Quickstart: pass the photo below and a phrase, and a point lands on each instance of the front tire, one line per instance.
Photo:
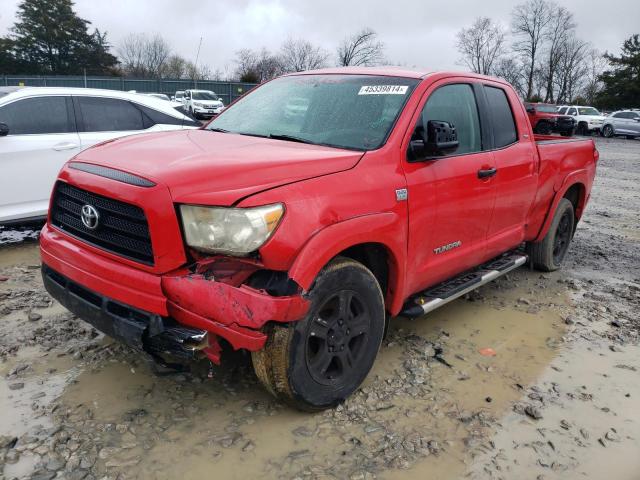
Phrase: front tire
(548, 254)
(317, 362)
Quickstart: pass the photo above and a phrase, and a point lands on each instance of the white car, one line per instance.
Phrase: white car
(42, 127)
(588, 119)
(202, 103)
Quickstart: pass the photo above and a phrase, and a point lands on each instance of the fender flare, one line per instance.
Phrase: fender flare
(578, 177)
(387, 229)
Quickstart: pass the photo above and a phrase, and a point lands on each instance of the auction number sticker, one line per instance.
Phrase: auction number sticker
(383, 90)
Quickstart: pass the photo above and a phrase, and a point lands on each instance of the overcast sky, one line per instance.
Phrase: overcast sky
(415, 33)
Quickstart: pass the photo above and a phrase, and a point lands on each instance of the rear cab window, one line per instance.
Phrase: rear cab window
(502, 119)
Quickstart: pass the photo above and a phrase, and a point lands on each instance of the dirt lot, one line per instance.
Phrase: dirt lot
(559, 399)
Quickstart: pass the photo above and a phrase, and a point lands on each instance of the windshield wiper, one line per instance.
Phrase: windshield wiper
(221, 130)
(289, 138)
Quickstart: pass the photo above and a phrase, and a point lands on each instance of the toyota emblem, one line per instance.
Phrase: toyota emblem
(89, 216)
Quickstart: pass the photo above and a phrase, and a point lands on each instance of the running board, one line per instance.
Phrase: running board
(443, 293)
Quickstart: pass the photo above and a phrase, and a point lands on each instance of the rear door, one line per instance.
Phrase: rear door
(103, 118)
(515, 160)
(42, 137)
(450, 206)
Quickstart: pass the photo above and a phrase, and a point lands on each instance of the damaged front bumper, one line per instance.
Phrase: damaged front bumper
(182, 314)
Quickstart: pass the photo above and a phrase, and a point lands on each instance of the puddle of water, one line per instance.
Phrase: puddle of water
(26, 253)
(188, 449)
(40, 388)
(524, 346)
(581, 371)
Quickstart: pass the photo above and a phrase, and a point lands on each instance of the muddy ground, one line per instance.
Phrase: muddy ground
(559, 399)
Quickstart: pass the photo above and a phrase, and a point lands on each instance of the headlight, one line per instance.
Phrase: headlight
(235, 231)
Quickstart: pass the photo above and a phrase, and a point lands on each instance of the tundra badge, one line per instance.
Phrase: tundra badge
(447, 247)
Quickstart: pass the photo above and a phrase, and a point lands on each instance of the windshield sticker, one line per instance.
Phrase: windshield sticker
(383, 90)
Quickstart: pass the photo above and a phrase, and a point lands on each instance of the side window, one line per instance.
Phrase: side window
(504, 126)
(572, 111)
(38, 115)
(109, 115)
(456, 104)
(617, 115)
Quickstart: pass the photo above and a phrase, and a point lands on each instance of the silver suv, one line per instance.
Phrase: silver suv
(623, 122)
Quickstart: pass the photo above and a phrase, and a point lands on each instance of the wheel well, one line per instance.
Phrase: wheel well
(375, 257)
(575, 195)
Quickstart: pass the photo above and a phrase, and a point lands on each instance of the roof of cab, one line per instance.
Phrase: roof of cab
(381, 71)
(417, 73)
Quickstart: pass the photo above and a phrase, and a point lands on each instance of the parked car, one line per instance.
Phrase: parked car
(202, 103)
(297, 239)
(588, 119)
(161, 96)
(623, 122)
(178, 97)
(41, 128)
(545, 119)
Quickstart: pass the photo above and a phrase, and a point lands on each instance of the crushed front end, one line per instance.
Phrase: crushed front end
(131, 275)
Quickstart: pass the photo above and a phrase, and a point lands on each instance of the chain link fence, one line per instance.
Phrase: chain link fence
(228, 91)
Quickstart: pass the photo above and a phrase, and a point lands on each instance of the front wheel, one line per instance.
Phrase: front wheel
(548, 254)
(319, 361)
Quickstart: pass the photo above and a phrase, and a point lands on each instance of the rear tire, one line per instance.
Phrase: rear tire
(317, 362)
(548, 254)
(607, 131)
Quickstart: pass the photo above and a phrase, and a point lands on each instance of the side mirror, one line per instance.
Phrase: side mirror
(4, 129)
(440, 139)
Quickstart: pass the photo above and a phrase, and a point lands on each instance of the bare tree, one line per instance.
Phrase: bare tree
(597, 64)
(361, 49)
(510, 70)
(556, 34)
(174, 67)
(481, 45)
(144, 56)
(572, 69)
(257, 66)
(300, 55)
(528, 23)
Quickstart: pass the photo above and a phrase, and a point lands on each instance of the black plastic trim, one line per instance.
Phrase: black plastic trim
(112, 173)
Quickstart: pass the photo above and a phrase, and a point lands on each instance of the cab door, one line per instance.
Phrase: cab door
(515, 157)
(450, 198)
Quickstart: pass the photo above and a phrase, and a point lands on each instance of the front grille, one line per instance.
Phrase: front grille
(122, 228)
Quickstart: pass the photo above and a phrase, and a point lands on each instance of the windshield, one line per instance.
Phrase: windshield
(204, 96)
(588, 111)
(179, 94)
(346, 111)
(546, 108)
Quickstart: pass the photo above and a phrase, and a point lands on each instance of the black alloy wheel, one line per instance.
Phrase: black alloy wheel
(563, 237)
(337, 338)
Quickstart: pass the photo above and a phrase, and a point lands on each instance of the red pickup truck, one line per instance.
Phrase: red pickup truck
(297, 233)
(545, 119)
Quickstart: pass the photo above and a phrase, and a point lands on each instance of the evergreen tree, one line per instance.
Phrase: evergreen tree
(51, 39)
(622, 82)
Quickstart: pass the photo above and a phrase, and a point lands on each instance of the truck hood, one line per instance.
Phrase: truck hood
(212, 168)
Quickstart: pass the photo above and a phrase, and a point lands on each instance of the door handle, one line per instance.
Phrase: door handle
(65, 146)
(488, 172)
